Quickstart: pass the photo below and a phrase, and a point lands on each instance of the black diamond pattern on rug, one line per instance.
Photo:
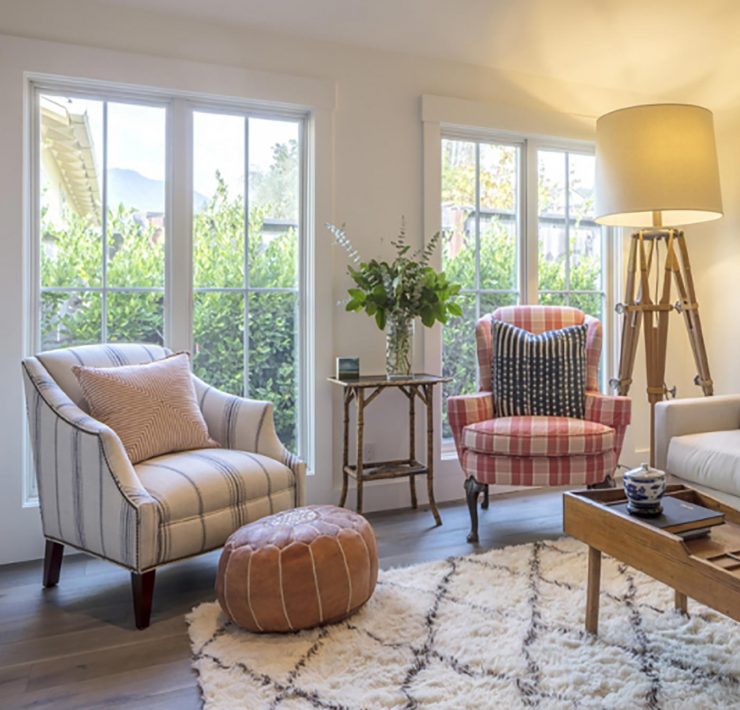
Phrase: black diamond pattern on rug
(499, 629)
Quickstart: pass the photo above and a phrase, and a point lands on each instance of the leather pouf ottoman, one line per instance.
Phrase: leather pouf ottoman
(297, 569)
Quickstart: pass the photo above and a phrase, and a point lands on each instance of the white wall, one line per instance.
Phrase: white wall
(375, 176)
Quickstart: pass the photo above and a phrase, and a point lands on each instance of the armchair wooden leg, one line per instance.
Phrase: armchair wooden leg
(52, 562)
(472, 491)
(142, 586)
(484, 504)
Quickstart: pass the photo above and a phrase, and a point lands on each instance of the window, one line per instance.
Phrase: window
(101, 221)
(498, 254)
(569, 263)
(104, 202)
(246, 259)
(481, 220)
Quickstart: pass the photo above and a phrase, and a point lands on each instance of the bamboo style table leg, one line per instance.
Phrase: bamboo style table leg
(592, 591)
(360, 444)
(429, 397)
(412, 443)
(682, 603)
(345, 453)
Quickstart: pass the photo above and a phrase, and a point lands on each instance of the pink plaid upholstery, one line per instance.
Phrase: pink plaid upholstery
(538, 470)
(465, 410)
(612, 411)
(606, 409)
(538, 436)
(536, 320)
(549, 458)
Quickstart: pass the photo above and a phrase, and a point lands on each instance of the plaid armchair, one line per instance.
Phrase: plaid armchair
(535, 450)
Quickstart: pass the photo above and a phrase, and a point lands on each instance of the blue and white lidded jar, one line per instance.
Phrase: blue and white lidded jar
(645, 487)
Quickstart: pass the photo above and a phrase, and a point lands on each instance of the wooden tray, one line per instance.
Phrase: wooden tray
(706, 569)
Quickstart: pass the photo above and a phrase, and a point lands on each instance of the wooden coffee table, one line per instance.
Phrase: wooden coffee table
(706, 569)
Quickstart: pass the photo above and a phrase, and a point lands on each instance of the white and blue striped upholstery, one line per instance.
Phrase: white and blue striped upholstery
(204, 495)
(163, 509)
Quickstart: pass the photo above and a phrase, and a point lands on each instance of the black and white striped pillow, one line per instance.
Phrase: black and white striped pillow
(542, 374)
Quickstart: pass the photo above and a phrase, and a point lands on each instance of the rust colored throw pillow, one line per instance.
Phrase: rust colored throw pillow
(152, 407)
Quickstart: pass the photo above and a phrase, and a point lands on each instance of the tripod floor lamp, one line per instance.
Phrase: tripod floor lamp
(656, 169)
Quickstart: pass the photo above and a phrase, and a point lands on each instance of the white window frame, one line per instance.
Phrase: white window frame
(229, 108)
(522, 246)
(533, 131)
(532, 147)
(178, 222)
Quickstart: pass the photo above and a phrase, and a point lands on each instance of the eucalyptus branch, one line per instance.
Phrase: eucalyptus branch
(424, 254)
(342, 239)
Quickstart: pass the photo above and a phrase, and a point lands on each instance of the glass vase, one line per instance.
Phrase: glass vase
(399, 343)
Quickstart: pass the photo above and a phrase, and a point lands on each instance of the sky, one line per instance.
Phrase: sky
(136, 141)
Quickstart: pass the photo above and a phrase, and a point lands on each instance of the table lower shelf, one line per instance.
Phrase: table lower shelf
(379, 470)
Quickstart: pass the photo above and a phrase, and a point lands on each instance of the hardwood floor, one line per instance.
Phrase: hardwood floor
(75, 645)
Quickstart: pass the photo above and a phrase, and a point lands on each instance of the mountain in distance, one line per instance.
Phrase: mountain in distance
(133, 189)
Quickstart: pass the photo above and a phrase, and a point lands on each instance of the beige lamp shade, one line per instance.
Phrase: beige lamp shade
(656, 166)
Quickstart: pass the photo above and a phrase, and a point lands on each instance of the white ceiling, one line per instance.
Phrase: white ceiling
(652, 46)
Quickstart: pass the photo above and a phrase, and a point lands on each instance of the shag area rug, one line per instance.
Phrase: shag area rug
(502, 629)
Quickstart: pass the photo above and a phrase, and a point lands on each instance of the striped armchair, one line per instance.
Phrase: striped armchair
(164, 509)
(535, 450)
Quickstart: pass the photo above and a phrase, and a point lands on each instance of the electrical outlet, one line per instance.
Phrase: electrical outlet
(368, 452)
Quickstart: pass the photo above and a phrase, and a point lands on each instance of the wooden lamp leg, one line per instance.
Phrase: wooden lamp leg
(690, 310)
(654, 317)
(630, 325)
(142, 586)
(52, 562)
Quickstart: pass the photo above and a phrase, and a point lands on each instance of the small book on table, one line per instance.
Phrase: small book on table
(680, 517)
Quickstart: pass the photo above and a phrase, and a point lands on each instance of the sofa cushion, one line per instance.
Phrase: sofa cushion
(538, 436)
(203, 496)
(710, 459)
(152, 407)
(195, 483)
(577, 470)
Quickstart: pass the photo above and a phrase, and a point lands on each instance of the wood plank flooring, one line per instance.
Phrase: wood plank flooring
(75, 646)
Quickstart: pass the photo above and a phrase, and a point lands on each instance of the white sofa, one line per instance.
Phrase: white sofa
(698, 441)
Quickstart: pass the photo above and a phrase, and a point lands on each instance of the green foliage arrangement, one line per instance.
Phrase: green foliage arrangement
(406, 288)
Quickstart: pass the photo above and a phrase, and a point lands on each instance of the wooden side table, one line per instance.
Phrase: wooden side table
(413, 386)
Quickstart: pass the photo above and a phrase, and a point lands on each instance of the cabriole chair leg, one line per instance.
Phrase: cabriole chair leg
(485, 501)
(52, 562)
(472, 491)
(142, 586)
